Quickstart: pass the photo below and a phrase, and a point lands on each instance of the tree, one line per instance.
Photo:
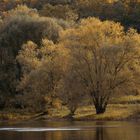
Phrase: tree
(105, 58)
(55, 2)
(124, 11)
(59, 11)
(18, 26)
(72, 91)
(43, 69)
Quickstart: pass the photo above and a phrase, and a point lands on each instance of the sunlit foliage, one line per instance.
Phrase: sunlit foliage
(105, 58)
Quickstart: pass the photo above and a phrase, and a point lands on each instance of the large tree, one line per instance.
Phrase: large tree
(43, 69)
(104, 57)
(18, 26)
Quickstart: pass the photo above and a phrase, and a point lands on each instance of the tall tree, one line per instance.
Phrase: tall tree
(43, 70)
(20, 25)
(105, 58)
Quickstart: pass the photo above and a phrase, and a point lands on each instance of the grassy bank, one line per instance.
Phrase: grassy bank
(126, 100)
(124, 108)
(113, 112)
(11, 116)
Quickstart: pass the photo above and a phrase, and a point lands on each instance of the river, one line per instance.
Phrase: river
(70, 130)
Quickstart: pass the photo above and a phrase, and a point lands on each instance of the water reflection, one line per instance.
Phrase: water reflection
(89, 131)
(99, 134)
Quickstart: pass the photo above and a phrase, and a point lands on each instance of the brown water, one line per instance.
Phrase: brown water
(64, 130)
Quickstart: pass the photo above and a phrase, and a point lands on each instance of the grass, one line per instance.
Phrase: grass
(123, 108)
(113, 112)
(13, 116)
(58, 113)
(131, 99)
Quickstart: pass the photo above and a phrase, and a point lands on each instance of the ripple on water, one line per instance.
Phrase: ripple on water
(53, 129)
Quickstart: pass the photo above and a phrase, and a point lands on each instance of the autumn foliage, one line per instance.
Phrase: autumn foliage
(66, 50)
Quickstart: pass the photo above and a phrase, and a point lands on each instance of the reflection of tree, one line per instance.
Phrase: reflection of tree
(98, 133)
(101, 133)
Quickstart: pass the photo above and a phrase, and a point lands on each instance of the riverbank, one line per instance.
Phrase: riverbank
(114, 112)
(123, 108)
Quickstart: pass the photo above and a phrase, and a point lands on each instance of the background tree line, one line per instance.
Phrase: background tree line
(124, 11)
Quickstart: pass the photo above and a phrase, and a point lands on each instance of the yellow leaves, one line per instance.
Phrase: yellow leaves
(23, 10)
(134, 37)
(92, 31)
(103, 53)
(46, 42)
(47, 50)
(29, 47)
(54, 54)
(57, 103)
(59, 11)
(46, 77)
(27, 57)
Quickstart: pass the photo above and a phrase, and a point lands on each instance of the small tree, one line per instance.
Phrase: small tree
(105, 58)
(72, 92)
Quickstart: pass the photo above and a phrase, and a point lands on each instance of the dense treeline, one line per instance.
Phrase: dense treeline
(68, 50)
(123, 11)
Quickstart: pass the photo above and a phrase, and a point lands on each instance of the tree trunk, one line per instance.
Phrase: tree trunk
(100, 110)
(100, 104)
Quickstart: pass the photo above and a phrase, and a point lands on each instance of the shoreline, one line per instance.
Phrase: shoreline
(19, 117)
(114, 112)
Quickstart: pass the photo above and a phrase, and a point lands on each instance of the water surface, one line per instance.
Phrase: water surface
(68, 130)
